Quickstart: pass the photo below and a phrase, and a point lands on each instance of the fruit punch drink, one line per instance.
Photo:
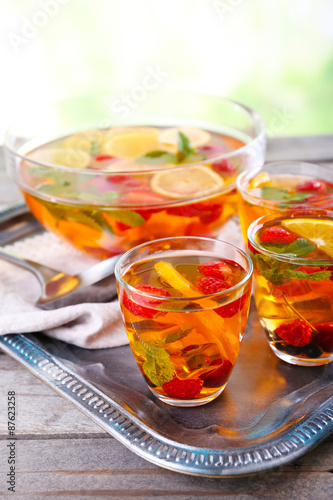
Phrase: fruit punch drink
(185, 304)
(283, 185)
(108, 188)
(292, 255)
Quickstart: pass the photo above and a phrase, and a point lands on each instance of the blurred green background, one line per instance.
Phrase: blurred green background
(275, 56)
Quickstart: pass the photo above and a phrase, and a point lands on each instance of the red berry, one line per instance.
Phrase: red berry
(234, 307)
(103, 157)
(183, 389)
(297, 332)
(205, 211)
(325, 336)
(225, 166)
(277, 235)
(312, 185)
(215, 269)
(153, 290)
(139, 310)
(218, 377)
(121, 226)
(117, 179)
(141, 197)
(211, 285)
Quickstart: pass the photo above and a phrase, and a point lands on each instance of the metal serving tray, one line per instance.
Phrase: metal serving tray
(270, 413)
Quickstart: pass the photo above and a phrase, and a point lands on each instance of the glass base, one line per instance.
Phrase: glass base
(300, 361)
(187, 403)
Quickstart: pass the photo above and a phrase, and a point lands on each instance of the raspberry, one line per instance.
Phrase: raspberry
(215, 269)
(325, 337)
(225, 166)
(297, 332)
(206, 212)
(312, 185)
(211, 285)
(153, 290)
(104, 157)
(277, 235)
(234, 307)
(183, 389)
(139, 310)
(218, 377)
(121, 226)
(140, 198)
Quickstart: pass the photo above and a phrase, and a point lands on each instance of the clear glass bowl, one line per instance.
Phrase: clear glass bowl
(105, 210)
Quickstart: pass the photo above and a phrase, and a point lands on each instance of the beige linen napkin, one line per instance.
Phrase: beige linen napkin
(89, 318)
(92, 319)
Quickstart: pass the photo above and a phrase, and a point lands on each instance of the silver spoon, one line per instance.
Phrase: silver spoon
(55, 284)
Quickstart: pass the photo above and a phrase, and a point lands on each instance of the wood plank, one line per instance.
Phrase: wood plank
(104, 468)
(40, 410)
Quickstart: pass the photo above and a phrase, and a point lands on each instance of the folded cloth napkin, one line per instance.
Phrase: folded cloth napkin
(88, 318)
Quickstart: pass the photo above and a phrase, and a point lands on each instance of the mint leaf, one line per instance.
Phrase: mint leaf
(298, 248)
(184, 144)
(45, 173)
(279, 273)
(273, 193)
(279, 194)
(157, 366)
(83, 218)
(184, 148)
(129, 217)
(94, 148)
(158, 158)
(301, 196)
(193, 157)
(110, 196)
(173, 337)
(317, 276)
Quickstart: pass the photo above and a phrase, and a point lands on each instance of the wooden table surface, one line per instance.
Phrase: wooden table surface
(61, 453)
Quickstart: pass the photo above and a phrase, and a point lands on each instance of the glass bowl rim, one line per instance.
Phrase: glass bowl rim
(232, 289)
(283, 214)
(254, 115)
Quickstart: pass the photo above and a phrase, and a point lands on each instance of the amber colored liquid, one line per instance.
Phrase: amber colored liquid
(213, 340)
(250, 209)
(308, 300)
(97, 227)
(160, 222)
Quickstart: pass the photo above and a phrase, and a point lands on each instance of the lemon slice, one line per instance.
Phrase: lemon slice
(66, 157)
(175, 279)
(319, 232)
(198, 180)
(208, 323)
(132, 142)
(260, 180)
(196, 136)
(85, 140)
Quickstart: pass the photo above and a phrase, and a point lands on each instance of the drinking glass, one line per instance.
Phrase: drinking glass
(185, 304)
(292, 253)
(282, 185)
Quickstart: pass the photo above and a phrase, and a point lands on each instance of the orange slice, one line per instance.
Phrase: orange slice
(318, 231)
(206, 321)
(260, 180)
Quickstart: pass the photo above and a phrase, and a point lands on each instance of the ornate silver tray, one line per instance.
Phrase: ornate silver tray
(270, 414)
